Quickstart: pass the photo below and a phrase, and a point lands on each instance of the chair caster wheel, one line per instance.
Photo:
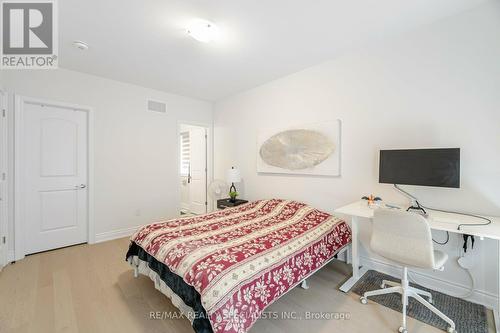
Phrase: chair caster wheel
(402, 330)
(451, 330)
(363, 300)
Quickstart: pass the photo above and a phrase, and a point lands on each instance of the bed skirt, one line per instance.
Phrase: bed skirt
(183, 296)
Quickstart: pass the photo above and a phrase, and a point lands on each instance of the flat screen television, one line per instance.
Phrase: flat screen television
(425, 167)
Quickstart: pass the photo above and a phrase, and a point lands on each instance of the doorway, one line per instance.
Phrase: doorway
(193, 169)
(52, 158)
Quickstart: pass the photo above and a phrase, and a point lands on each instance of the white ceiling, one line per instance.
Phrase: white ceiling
(144, 41)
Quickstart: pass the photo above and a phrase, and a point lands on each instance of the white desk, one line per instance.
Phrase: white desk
(437, 221)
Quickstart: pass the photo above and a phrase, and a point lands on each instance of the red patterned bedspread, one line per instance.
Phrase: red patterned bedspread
(242, 259)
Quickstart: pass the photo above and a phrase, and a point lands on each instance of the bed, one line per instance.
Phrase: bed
(223, 269)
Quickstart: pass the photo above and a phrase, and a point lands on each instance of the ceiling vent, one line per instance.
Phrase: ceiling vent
(157, 106)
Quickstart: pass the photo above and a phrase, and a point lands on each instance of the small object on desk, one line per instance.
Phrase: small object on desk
(227, 203)
(371, 199)
(392, 206)
(417, 207)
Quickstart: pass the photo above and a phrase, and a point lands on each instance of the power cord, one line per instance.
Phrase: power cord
(421, 207)
(488, 221)
(445, 242)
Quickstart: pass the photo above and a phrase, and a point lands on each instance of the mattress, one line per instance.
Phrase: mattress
(230, 265)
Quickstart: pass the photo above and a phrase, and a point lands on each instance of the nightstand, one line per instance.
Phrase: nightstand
(226, 203)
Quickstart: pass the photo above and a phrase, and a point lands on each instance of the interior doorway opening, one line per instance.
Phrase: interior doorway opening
(193, 169)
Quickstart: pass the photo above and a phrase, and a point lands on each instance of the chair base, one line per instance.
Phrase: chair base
(406, 291)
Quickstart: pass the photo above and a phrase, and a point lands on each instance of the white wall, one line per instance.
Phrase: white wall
(136, 151)
(435, 87)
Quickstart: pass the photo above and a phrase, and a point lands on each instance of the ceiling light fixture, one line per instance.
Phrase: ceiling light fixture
(203, 31)
(80, 45)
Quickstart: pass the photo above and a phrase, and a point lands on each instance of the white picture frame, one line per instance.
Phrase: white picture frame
(330, 167)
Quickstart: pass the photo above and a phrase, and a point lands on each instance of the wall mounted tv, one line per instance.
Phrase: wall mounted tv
(425, 167)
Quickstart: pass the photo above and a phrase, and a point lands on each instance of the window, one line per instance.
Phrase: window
(185, 153)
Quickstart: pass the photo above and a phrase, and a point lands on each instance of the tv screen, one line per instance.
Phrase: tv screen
(425, 167)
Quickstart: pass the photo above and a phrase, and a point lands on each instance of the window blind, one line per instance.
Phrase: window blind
(185, 153)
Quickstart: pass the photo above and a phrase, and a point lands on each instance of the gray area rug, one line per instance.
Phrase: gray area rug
(468, 317)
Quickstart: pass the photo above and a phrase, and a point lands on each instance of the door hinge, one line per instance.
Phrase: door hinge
(206, 203)
(3, 113)
(4, 240)
(3, 176)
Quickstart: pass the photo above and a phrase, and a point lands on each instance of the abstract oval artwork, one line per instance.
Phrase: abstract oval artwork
(296, 149)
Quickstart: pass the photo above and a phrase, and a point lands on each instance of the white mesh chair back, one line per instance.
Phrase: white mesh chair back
(403, 237)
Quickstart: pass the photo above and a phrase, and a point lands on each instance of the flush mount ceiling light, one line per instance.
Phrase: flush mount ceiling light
(80, 45)
(203, 31)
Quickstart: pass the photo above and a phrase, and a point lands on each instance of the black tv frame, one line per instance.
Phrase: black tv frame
(455, 151)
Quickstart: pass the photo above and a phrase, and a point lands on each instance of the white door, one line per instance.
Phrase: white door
(198, 170)
(54, 175)
(3, 180)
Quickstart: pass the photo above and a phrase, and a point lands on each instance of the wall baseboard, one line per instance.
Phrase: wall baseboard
(114, 234)
(450, 288)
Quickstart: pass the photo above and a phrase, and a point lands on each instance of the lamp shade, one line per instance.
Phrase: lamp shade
(233, 175)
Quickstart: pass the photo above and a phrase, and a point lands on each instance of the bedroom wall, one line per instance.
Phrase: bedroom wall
(434, 87)
(136, 151)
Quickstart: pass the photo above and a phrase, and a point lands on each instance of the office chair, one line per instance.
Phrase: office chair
(406, 239)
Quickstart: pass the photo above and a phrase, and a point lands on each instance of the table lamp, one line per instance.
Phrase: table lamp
(233, 176)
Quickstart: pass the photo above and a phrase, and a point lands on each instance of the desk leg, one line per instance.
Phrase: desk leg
(357, 272)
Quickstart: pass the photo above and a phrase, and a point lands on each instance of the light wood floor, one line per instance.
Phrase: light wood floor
(90, 288)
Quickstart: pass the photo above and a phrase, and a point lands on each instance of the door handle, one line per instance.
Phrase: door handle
(81, 186)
